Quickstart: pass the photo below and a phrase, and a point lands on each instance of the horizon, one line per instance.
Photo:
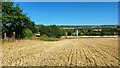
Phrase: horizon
(79, 25)
(71, 13)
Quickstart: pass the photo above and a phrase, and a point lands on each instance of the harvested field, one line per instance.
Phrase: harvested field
(67, 52)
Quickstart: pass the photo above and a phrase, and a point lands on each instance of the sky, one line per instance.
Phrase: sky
(64, 0)
(71, 13)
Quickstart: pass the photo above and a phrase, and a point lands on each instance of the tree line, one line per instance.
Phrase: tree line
(14, 20)
(93, 31)
(51, 31)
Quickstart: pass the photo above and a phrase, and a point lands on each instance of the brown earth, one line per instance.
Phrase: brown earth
(67, 52)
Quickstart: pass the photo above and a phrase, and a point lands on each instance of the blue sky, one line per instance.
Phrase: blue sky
(71, 13)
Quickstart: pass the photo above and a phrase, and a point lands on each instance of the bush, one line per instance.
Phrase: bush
(27, 33)
(46, 38)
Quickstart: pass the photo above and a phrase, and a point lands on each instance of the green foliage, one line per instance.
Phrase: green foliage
(51, 31)
(92, 30)
(27, 33)
(80, 34)
(70, 32)
(14, 20)
(46, 38)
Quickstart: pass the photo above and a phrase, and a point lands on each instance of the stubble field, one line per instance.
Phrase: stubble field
(67, 52)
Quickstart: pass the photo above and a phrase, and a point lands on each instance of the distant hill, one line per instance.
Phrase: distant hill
(87, 26)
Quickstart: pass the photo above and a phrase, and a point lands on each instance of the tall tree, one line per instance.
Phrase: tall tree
(14, 20)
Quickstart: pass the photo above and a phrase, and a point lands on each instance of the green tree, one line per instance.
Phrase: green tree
(14, 20)
(51, 31)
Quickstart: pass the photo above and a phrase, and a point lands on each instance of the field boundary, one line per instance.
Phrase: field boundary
(89, 36)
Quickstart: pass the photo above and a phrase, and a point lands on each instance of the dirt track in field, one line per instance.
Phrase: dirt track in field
(68, 52)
